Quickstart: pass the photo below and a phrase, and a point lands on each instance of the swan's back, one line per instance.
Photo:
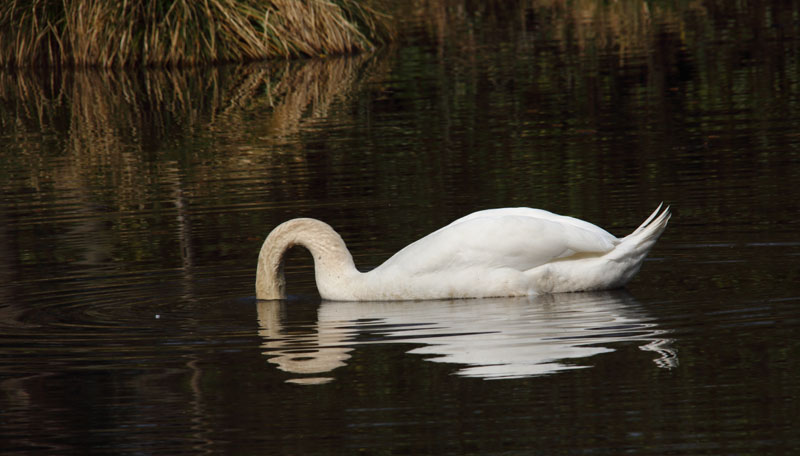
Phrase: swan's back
(539, 214)
(515, 238)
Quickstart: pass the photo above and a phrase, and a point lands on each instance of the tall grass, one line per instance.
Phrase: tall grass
(183, 32)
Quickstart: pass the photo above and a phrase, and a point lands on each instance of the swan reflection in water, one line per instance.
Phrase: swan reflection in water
(491, 338)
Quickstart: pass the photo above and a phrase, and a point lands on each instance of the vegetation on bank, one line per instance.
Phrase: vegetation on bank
(183, 32)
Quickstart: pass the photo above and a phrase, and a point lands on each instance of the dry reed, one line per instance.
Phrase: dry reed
(183, 32)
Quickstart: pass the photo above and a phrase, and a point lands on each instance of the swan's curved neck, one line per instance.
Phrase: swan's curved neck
(333, 264)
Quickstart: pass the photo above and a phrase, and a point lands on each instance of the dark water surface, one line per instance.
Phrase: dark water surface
(134, 204)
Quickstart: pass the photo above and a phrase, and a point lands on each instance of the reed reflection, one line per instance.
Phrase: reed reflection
(492, 338)
(114, 158)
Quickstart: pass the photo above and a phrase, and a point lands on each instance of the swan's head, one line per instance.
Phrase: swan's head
(270, 282)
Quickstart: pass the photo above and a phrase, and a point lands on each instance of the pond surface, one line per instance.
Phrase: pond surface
(134, 205)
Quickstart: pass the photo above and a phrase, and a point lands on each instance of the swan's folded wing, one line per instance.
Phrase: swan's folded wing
(498, 241)
(539, 214)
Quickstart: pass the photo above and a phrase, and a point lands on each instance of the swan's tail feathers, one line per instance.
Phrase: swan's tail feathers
(649, 219)
(643, 238)
(651, 229)
(633, 248)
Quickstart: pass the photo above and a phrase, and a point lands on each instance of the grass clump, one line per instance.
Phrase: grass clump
(183, 32)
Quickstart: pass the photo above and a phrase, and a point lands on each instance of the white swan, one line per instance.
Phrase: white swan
(491, 253)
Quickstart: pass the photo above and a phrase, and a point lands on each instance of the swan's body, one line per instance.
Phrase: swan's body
(491, 253)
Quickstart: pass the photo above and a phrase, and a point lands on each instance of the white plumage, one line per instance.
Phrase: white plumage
(496, 252)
